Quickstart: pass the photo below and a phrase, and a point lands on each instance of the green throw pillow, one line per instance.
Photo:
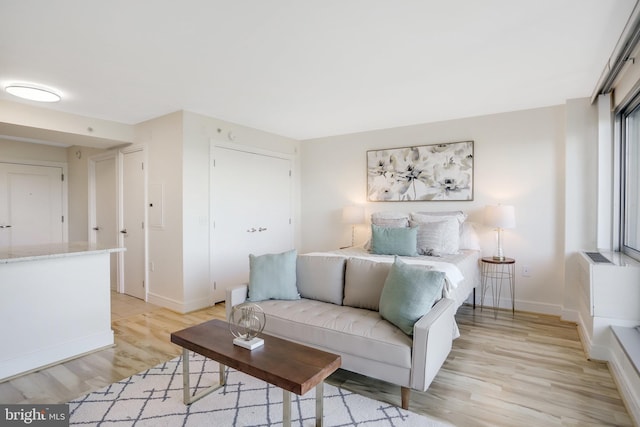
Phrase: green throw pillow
(409, 293)
(394, 241)
(273, 276)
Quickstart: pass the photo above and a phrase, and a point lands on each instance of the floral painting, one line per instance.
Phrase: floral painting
(427, 172)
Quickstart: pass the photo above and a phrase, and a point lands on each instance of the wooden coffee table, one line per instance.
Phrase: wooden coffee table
(292, 367)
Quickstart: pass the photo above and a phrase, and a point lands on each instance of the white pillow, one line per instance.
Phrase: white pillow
(451, 231)
(459, 215)
(390, 219)
(431, 237)
(468, 237)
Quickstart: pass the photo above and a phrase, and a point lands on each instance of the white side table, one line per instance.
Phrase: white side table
(495, 273)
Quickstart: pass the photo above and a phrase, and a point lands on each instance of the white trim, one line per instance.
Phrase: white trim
(92, 205)
(145, 172)
(605, 173)
(626, 378)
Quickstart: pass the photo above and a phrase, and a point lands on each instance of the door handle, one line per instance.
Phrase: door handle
(262, 229)
(251, 230)
(5, 226)
(96, 228)
(124, 231)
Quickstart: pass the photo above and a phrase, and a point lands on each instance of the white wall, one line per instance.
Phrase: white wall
(178, 156)
(162, 139)
(581, 180)
(78, 181)
(519, 160)
(18, 150)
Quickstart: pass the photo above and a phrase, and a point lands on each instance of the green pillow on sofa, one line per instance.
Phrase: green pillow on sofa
(273, 276)
(409, 292)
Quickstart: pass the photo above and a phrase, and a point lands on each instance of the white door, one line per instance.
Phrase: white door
(31, 205)
(104, 209)
(251, 205)
(133, 223)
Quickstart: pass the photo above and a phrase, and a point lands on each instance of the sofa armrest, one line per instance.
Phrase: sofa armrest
(433, 337)
(235, 296)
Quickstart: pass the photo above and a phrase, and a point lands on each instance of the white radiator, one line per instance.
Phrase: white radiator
(609, 295)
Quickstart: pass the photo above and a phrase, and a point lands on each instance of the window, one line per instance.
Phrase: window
(630, 178)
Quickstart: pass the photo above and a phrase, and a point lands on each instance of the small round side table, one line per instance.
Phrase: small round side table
(495, 272)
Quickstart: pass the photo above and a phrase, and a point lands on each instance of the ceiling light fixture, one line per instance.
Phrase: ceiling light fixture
(32, 93)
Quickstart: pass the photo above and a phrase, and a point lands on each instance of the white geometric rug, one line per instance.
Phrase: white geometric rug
(154, 398)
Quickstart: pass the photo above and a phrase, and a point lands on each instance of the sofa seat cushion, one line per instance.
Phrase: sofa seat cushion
(342, 329)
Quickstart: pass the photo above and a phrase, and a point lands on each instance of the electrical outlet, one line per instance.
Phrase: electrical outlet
(526, 271)
(152, 266)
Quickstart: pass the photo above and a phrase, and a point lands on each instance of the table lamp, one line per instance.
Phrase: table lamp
(499, 217)
(353, 215)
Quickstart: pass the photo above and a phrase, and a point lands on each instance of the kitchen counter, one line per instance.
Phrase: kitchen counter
(29, 253)
(55, 304)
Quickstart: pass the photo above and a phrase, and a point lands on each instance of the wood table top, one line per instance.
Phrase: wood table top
(285, 364)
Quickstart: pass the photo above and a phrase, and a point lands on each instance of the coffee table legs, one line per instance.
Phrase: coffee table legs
(319, 403)
(286, 406)
(286, 395)
(186, 397)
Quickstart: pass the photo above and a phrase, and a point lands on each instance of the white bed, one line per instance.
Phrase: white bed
(462, 269)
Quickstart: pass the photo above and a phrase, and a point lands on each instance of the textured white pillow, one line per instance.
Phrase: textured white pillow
(451, 231)
(390, 219)
(431, 237)
(459, 215)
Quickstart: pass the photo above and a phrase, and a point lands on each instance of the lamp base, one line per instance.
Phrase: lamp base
(250, 344)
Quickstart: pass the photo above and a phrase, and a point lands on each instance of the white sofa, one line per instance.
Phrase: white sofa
(338, 313)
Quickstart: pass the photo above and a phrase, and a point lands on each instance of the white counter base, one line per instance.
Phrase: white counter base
(53, 308)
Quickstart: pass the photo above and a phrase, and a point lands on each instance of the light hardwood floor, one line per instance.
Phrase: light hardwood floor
(529, 370)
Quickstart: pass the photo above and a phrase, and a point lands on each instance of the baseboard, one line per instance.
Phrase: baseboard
(627, 379)
(178, 306)
(538, 307)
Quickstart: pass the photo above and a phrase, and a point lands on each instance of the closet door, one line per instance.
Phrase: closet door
(251, 213)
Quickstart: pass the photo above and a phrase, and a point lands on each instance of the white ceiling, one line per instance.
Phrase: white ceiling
(308, 68)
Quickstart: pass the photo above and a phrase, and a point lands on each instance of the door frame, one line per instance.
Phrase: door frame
(121, 153)
(119, 159)
(65, 186)
(92, 204)
(217, 144)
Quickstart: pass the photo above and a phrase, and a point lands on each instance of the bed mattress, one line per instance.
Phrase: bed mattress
(462, 269)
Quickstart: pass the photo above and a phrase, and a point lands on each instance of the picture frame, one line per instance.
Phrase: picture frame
(437, 172)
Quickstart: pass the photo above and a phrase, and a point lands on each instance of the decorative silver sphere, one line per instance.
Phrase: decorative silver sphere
(247, 320)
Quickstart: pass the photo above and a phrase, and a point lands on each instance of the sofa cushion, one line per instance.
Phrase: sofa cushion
(344, 330)
(363, 282)
(409, 293)
(321, 277)
(394, 241)
(273, 276)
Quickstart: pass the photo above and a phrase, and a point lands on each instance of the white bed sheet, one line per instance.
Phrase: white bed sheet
(462, 270)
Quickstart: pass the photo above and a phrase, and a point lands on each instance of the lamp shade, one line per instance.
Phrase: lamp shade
(501, 216)
(353, 215)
